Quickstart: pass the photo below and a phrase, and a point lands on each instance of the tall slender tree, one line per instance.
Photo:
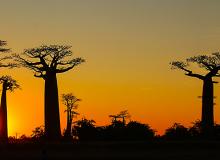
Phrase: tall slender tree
(212, 65)
(70, 101)
(7, 84)
(47, 61)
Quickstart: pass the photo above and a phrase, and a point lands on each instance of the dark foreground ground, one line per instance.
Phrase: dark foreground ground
(113, 150)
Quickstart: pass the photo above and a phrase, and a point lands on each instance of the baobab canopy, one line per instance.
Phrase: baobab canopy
(209, 63)
(53, 58)
(10, 83)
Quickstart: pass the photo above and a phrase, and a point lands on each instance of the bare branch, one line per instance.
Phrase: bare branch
(181, 65)
(204, 61)
(195, 75)
(70, 64)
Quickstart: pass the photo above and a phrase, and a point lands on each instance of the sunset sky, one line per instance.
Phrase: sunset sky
(127, 44)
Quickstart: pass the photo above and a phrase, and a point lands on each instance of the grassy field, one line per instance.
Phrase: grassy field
(113, 150)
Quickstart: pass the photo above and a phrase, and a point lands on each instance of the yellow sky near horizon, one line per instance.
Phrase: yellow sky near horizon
(127, 44)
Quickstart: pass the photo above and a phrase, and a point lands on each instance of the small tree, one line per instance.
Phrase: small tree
(114, 118)
(123, 115)
(70, 101)
(38, 133)
(212, 65)
(7, 84)
(47, 61)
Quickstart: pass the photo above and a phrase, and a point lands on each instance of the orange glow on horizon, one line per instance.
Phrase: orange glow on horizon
(127, 46)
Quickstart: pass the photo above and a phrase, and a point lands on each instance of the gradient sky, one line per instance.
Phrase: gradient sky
(128, 45)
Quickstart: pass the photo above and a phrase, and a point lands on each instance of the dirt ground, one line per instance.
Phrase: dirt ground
(113, 150)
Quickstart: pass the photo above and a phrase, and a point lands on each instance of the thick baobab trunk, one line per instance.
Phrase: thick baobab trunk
(52, 115)
(69, 125)
(3, 116)
(207, 108)
(123, 121)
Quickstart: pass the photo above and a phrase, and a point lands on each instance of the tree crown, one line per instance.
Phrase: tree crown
(70, 101)
(9, 83)
(209, 63)
(48, 59)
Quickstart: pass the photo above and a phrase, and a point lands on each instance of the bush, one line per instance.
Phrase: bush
(138, 131)
(177, 132)
(38, 134)
(85, 130)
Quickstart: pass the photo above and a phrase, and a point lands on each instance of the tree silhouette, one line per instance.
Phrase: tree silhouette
(7, 84)
(47, 61)
(114, 118)
(138, 131)
(38, 133)
(196, 129)
(5, 58)
(69, 100)
(177, 132)
(212, 65)
(122, 115)
(85, 129)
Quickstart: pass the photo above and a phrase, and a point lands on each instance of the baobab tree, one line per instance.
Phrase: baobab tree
(7, 84)
(114, 118)
(47, 61)
(122, 115)
(211, 64)
(70, 101)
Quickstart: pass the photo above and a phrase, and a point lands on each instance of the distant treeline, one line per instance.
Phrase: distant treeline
(85, 130)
